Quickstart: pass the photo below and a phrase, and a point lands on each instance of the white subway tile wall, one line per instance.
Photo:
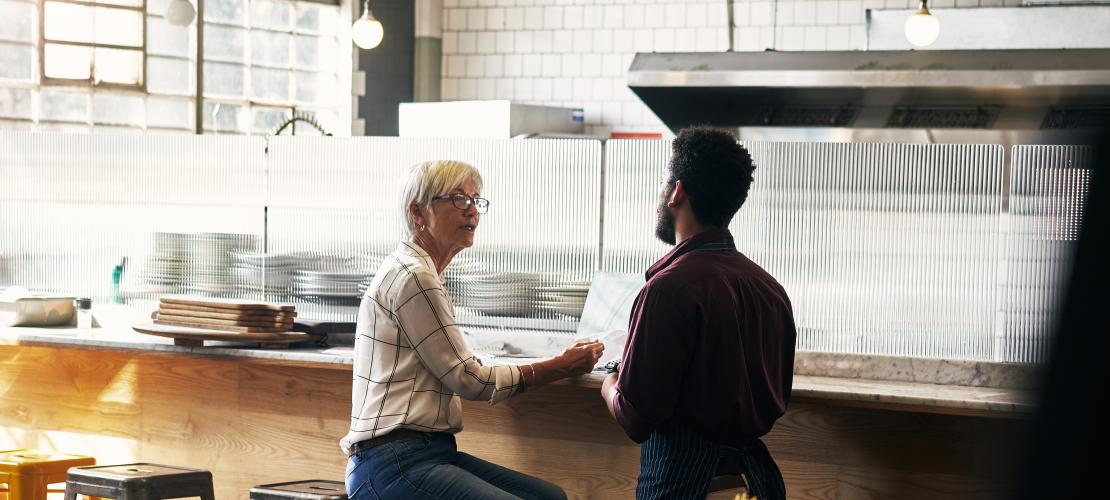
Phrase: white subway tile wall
(575, 53)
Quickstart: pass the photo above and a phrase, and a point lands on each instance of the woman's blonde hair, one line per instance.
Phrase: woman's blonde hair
(433, 178)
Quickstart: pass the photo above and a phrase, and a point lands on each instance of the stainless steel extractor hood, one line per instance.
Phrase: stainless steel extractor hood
(1030, 95)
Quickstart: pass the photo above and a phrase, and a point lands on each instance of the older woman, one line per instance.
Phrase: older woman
(412, 364)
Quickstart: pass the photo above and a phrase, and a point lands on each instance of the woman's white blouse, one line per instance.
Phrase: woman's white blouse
(411, 363)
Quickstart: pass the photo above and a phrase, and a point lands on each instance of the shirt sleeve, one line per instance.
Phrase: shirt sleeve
(654, 363)
(427, 321)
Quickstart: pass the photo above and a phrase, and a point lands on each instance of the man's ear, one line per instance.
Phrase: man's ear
(678, 195)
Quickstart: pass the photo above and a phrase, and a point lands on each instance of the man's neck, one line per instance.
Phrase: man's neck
(683, 232)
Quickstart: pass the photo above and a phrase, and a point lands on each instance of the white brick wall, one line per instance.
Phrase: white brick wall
(575, 52)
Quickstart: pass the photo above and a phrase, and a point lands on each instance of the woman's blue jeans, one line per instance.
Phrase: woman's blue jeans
(430, 467)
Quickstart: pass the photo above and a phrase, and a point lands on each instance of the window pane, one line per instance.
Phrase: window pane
(17, 62)
(308, 17)
(15, 103)
(169, 113)
(229, 11)
(271, 85)
(69, 128)
(106, 129)
(19, 21)
(314, 88)
(117, 109)
(165, 39)
(127, 3)
(169, 76)
(225, 80)
(17, 125)
(266, 120)
(68, 61)
(274, 15)
(308, 52)
(69, 22)
(219, 117)
(269, 48)
(224, 43)
(119, 27)
(159, 7)
(63, 106)
(119, 66)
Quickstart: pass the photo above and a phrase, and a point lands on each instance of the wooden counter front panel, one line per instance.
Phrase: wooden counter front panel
(257, 422)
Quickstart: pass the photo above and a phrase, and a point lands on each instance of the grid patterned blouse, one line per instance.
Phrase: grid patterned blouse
(411, 362)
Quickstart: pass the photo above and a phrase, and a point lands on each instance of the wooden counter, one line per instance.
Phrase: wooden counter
(253, 419)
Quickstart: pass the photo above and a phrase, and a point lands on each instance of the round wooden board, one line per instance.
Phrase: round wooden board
(196, 336)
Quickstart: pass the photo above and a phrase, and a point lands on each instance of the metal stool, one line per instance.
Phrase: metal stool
(28, 472)
(139, 482)
(313, 489)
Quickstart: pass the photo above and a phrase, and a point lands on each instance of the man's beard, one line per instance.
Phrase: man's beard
(664, 223)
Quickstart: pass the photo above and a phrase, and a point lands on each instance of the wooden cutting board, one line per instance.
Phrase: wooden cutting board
(236, 312)
(228, 314)
(227, 304)
(261, 323)
(195, 337)
(224, 328)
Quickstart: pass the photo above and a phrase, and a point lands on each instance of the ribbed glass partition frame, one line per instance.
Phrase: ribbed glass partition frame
(337, 201)
(73, 207)
(1048, 188)
(883, 248)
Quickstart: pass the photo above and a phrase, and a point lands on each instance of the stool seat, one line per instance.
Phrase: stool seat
(29, 472)
(140, 481)
(313, 489)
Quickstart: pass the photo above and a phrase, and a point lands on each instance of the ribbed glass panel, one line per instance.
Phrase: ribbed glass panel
(73, 207)
(883, 248)
(1048, 188)
(634, 172)
(337, 202)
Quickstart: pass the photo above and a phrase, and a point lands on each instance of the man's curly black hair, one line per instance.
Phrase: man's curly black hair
(715, 171)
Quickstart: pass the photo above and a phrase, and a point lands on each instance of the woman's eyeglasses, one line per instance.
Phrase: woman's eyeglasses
(463, 202)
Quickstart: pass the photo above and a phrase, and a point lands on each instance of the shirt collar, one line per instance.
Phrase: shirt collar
(413, 250)
(710, 239)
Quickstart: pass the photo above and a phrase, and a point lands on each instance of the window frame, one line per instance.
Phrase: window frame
(91, 81)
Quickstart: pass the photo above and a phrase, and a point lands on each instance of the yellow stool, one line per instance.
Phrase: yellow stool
(28, 472)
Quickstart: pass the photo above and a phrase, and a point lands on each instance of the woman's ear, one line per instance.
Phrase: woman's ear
(416, 213)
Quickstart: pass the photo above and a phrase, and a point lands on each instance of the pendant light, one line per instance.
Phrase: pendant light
(922, 27)
(180, 13)
(367, 32)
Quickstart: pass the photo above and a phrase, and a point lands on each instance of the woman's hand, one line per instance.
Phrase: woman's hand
(578, 359)
(581, 357)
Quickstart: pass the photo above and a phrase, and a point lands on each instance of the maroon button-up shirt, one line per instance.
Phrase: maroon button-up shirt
(710, 345)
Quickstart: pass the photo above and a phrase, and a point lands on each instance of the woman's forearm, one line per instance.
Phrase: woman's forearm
(544, 372)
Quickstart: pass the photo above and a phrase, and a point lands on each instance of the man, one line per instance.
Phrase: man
(710, 355)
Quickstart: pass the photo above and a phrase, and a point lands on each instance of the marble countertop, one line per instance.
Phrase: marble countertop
(871, 381)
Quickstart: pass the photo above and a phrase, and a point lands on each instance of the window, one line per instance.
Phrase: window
(97, 42)
(267, 59)
(118, 66)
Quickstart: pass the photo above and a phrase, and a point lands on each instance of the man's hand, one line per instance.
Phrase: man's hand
(609, 391)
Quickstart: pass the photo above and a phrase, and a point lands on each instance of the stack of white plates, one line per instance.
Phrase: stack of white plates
(563, 297)
(262, 272)
(332, 286)
(209, 261)
(165, 265)
(498, 294)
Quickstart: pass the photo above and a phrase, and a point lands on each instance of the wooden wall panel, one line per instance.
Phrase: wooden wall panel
(257, 422)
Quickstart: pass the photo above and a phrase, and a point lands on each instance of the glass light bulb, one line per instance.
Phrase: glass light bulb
(367, 32)
(922, 28)
(180, 13)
